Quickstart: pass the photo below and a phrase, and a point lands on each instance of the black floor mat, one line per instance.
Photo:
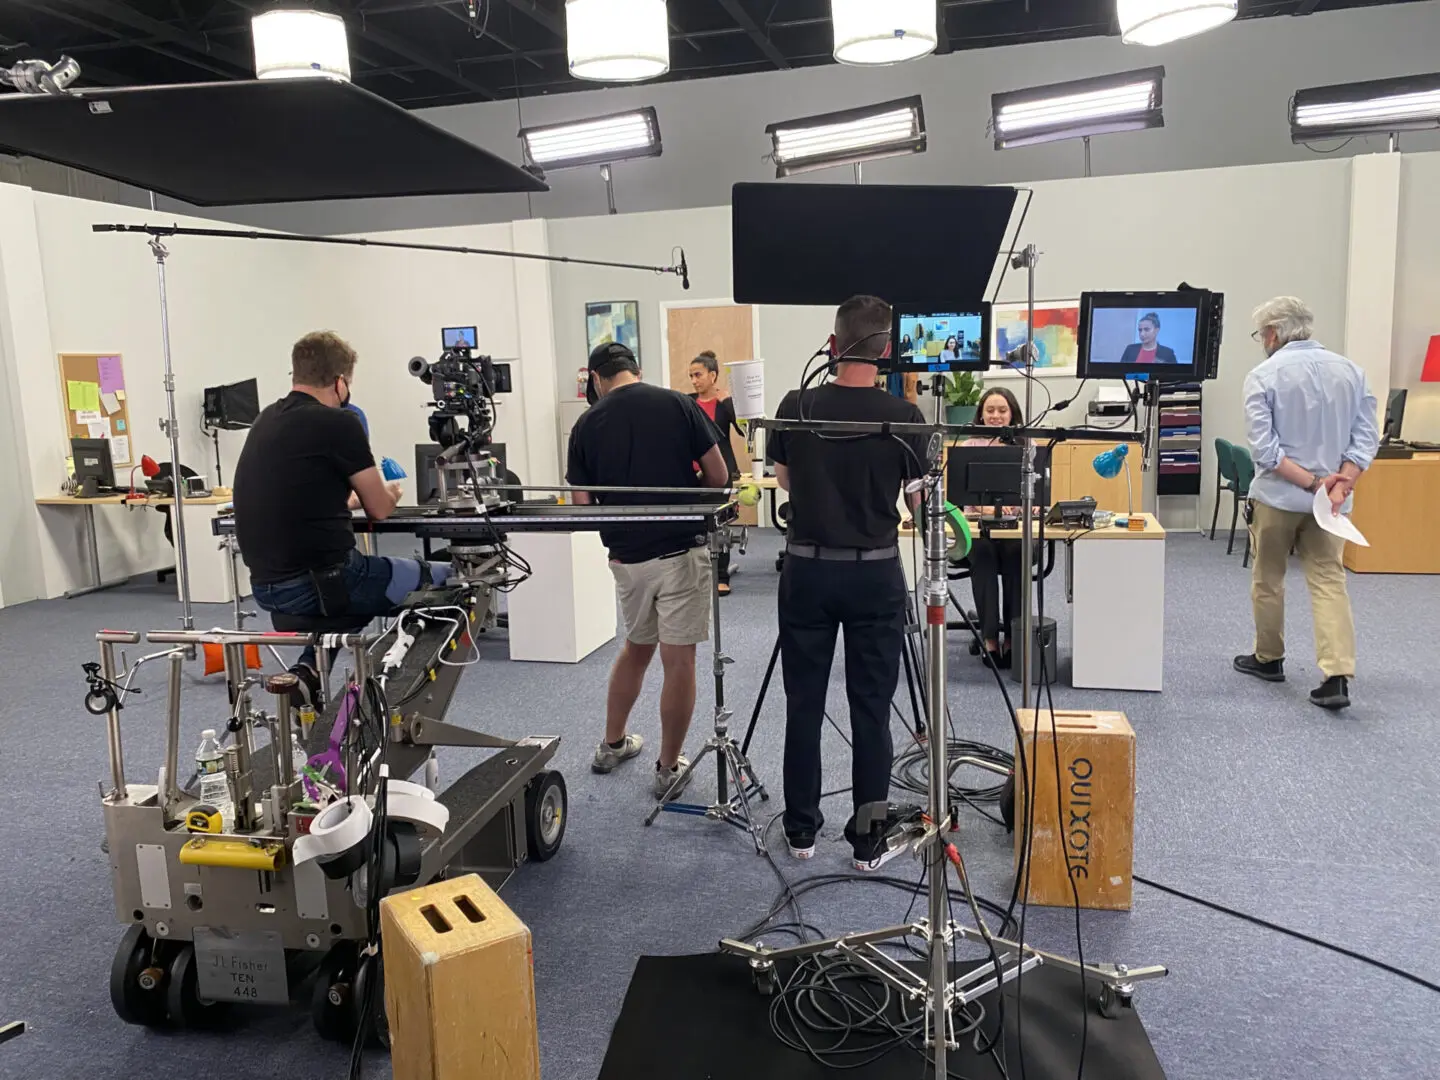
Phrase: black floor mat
(701, 1018)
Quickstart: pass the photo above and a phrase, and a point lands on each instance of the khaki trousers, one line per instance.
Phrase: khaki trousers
(1272, 534)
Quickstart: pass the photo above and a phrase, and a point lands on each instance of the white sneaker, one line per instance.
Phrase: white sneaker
(665, 779)
(608, 757)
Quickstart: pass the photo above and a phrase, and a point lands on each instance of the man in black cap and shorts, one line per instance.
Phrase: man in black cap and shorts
(637, 435)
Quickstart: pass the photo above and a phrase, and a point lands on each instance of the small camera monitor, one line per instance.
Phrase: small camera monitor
(1153, 335)
(459, 337)
(925, 340)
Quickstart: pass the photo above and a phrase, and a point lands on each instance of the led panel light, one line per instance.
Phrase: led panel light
(874, 32)
(1129, 101)
(617, 40)
(847, 138)
(1385, 106)
(1156, 22)
(300, 45)
(597, 141)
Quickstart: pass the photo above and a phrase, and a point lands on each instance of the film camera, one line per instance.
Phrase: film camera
(464, 386)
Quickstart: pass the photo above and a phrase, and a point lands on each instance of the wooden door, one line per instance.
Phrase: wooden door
(728, 332)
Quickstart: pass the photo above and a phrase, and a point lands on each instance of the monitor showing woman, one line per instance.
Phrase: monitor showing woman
(1148, 349)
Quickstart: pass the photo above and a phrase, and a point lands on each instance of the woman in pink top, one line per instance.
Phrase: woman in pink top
(996, 562)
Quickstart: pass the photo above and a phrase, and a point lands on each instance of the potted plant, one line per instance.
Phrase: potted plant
(962, 394)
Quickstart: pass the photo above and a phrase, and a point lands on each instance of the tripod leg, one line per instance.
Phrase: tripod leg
(738, 766)
(760, 701)
(684, 778)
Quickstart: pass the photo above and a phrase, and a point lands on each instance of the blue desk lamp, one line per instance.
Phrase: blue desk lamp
(1108, 465)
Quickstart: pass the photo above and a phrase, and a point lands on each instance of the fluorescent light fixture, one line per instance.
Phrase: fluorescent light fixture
(1129, 101)
(1411, 103)
(300, 45)
(848, 138)
(871, 32)
(598, 141)
(617, 40)
(1156, 22)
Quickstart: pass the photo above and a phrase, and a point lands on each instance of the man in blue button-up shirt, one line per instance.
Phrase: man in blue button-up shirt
(1310, 417)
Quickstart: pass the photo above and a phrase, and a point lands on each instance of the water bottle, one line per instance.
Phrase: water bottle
(214, 790)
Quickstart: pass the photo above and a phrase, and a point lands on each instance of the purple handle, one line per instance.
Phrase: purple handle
(331, 758)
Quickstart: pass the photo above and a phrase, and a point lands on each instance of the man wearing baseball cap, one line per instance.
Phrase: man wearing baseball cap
(637, 435)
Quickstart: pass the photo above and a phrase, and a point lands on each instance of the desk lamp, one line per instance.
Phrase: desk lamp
(151, 470)
(1108, 465)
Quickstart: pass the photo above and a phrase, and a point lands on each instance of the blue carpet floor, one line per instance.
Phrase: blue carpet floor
(1247, 795)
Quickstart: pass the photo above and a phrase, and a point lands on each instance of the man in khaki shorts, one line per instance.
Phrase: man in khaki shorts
(637, 435)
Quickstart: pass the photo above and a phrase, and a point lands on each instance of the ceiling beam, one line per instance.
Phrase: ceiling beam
(514, 52)
(746, 22)
(407, 51)
(124, 15)
(149, 46)
(550, 21)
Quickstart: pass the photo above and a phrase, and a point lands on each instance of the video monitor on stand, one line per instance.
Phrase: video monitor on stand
(926, 341)
(1150, 336)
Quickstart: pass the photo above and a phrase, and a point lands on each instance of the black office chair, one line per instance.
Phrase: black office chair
(164, 474)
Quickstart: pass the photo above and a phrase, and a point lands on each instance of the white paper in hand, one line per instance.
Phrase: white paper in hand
(1338, 524)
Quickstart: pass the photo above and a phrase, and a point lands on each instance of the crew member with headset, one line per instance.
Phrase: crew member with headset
(637, 435)
(843, 570)
(705, 378)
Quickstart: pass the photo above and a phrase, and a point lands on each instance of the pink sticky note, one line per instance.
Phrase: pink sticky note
(112, 377)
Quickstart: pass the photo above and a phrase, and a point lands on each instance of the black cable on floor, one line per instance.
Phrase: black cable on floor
(1390, 969)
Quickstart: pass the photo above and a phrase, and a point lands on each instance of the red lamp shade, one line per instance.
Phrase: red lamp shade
(1431, 370)
(148, 466)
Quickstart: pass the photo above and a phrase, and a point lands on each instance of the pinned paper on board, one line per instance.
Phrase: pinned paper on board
(85, 416)
(110, 403)
(83, 396)
(120, 426)
(112, 375)
(98, 429)
(120, 449)
(119, 395)
(1335, 523)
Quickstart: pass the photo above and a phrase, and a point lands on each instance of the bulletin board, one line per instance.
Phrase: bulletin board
(92, 390)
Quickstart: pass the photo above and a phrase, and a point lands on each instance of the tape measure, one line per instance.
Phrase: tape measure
(204, 819)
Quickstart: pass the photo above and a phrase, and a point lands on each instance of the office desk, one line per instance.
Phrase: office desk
(208, 562)
(1397, 507)
(1115, 584)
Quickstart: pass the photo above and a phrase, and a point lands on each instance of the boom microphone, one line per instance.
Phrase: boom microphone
(684, 271)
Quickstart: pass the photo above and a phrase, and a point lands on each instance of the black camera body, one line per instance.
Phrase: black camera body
(464, 388)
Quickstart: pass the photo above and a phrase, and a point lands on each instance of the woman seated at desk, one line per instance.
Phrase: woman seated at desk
(994, 563)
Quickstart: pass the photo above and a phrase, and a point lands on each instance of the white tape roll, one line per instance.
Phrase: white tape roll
(405, 787)
(335, 830)
(413, 808)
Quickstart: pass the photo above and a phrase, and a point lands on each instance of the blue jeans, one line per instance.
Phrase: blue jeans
(376, 585)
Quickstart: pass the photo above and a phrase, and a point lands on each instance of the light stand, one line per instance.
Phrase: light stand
(731, 764)
(171, 429)
(1026, 260)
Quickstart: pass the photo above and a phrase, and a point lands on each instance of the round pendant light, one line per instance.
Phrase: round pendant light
(1156, 22)
(617, 40)
(299, 45)
(872, 32)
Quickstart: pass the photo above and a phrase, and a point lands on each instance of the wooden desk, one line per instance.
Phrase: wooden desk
(1397, 507)
(1073, 476)
(209, 574)
(1115, 584)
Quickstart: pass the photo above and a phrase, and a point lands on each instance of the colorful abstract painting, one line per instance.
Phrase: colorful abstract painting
(1057, 335)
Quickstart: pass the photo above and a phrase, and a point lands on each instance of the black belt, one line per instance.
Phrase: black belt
(829, 554)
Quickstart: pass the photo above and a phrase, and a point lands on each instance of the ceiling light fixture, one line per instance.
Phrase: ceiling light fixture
(1157, 22)
(617, 40)
(300, 45)
(849, 137)
(872, 32)
(1129, 101)
(1382, 107)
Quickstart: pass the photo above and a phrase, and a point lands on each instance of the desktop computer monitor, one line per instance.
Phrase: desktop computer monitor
(988, 476)
(93, 463)
(1394, 416)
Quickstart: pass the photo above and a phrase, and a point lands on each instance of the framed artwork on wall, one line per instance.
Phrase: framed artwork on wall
(613, 320)
(1057, 337)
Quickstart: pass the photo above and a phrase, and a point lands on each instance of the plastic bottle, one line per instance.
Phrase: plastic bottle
(214, 790)
(297, 753)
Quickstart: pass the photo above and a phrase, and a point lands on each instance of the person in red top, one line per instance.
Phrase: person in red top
(1148, 350)
(705, 378)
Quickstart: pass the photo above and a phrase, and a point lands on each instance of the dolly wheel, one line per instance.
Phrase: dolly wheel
(182, 996)
(546, 805)
(137, 981)
(330, 1003)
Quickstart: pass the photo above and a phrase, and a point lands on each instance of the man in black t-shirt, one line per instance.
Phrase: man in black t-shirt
(842, 569)
(305, 466)
(642, 436)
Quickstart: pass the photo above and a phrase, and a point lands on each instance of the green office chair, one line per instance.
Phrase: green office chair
(1224, 471)
(1243, 468)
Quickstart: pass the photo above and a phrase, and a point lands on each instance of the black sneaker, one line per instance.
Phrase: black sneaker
(308, 692)
(802, 845)
(875, 850)
(1333, 693)
(1270, 670)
